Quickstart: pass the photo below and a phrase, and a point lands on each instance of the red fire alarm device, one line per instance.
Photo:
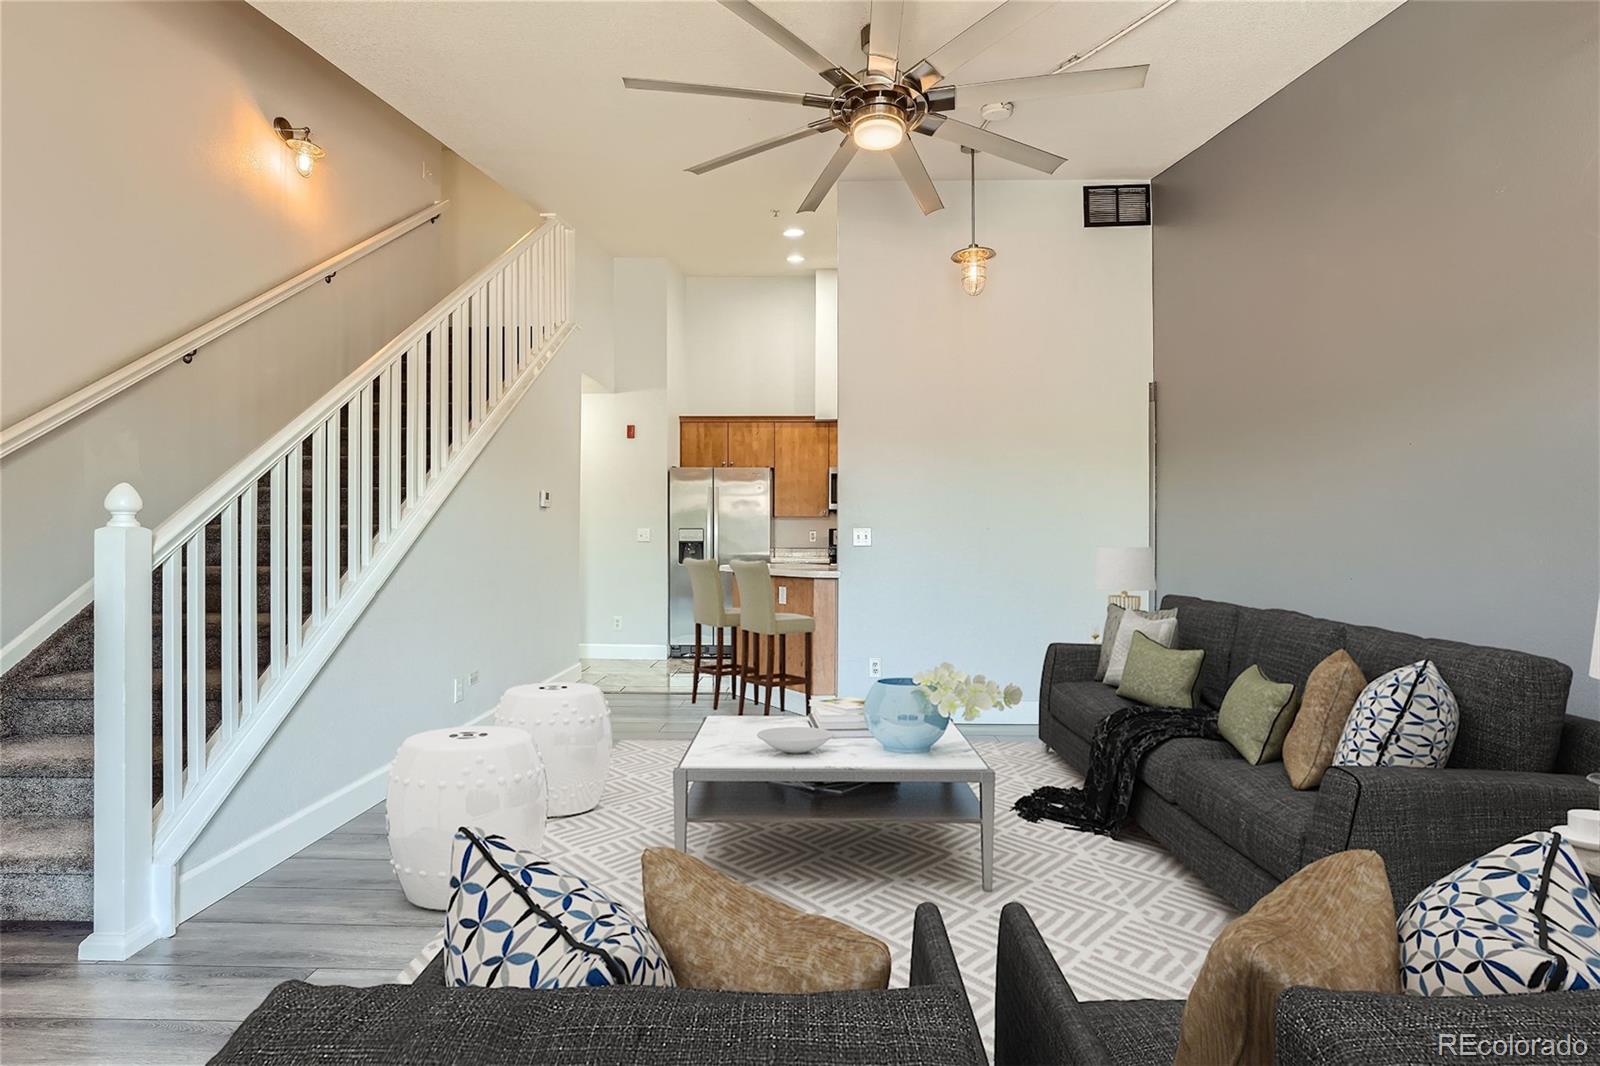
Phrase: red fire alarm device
(630, 430)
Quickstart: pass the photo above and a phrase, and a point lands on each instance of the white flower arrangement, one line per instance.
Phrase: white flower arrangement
(951, 692)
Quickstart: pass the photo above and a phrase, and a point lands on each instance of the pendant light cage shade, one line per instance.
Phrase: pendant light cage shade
(974, 260)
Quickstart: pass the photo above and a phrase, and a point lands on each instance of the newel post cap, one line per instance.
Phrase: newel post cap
(123, 503)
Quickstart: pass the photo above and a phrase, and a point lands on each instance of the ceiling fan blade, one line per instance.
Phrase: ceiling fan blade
(976, 38)
(830, 174)
(1067, 83)
(775, 31)
(942, 128)
(761, 146)
(883, 36)
(916, 177)
(768, 95)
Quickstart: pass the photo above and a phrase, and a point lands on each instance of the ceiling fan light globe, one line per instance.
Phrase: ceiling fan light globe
(878, 130)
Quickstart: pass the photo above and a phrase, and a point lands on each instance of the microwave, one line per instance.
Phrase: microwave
(833, 488)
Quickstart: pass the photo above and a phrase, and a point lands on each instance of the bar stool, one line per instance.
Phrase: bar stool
(705, 581)
(759, 618)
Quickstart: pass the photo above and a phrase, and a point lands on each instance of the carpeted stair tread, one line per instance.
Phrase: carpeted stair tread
(34, 845)
(80, 684)
(70, 755)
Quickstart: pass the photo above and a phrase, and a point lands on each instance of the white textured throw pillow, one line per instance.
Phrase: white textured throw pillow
(1520, 919)
(1160, 630)
(1407, 717)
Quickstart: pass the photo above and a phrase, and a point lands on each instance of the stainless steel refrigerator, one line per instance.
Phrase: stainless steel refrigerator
(721, 513)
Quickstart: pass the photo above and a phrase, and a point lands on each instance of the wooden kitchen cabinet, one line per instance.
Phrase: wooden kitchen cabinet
(750, 444)
(702, 443)
(800, 469)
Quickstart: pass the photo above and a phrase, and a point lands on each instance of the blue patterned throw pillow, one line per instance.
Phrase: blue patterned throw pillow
(518, 921)
(1520, 919)
(1407, 717)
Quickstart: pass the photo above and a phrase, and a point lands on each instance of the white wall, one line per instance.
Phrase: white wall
(826, 373)
(750, 346)
(489, 586)
(992, 443)
(485, 219)
(121, 235)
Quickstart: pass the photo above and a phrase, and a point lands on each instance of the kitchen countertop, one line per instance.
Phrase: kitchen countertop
(799, 570)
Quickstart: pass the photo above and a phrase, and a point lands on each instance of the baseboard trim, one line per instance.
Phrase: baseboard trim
(25, 642)
(108, 947)
(221, 874)
(622, 651)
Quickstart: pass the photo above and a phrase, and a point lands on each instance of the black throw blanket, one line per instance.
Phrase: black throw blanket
(1121, 741)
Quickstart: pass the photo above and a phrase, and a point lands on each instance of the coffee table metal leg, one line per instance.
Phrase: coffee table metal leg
(986, 827)
(680, 810)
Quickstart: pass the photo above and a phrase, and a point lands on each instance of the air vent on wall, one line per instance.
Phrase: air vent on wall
(1116, 205)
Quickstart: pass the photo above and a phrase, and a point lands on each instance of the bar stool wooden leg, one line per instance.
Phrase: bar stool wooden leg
(743, 638)
(808, 673)
(783, 670)
(716, 678)
(694, 688)
(772, 653)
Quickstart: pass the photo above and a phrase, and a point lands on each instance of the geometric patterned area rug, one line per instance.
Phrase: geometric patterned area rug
(1124, 919)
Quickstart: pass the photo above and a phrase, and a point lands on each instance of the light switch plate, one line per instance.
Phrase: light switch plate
(642, 534)
(544, 497)
(861, 536)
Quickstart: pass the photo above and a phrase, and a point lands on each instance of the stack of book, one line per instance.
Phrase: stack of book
(843, 718)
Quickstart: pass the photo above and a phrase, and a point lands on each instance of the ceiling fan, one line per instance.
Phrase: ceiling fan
(876, 107)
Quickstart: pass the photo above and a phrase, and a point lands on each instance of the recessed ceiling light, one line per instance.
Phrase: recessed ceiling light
(793, 232)
(796, 258)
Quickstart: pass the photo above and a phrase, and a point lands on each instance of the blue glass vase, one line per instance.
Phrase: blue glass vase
(900, 717)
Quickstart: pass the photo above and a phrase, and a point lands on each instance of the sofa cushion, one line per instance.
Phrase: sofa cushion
(1135, 1032)
(300, 1023)
(1207, 625)
(1511, 703)
(1287, 645)
(1079, 705)
(1253, 809)
(1330, 694)
(1331, 925)
(1160, 768)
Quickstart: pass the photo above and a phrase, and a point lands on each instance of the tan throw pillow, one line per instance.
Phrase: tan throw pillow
(721, 934)
(1331, 692)
(1331, 925)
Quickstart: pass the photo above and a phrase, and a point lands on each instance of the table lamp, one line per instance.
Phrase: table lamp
(1119, 570)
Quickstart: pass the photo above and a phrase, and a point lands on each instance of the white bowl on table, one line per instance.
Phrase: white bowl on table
(794, 739)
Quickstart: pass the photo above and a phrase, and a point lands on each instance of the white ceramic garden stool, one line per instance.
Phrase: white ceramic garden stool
(481, 776)
(571, 726)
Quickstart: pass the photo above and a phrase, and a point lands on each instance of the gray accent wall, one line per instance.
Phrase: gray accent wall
(1377, 337)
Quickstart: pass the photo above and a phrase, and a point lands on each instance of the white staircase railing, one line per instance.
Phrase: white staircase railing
(259, 577)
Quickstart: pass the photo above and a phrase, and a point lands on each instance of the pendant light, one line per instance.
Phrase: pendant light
(974, 258)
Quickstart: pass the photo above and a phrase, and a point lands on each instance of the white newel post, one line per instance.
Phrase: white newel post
(123, 824)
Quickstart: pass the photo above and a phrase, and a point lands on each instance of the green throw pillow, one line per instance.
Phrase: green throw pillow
(1256, 715)
(1158, 676)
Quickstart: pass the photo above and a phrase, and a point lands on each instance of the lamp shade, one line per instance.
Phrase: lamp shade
(1125, 569)
(1594, 658)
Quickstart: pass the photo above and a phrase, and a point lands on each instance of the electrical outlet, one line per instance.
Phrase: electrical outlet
(472, 679)
(616, 621)
(874, 667)
(861, 536)
(458, 691)
(813, 536)
(642, 534)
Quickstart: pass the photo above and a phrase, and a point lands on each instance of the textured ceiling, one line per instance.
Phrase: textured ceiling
(531, 93)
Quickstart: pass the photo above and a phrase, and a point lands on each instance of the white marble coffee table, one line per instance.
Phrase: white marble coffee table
(730, 775)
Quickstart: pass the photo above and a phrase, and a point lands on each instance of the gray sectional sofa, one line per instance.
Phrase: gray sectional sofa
(1518, 764)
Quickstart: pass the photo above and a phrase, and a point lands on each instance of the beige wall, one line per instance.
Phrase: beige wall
(152, 194)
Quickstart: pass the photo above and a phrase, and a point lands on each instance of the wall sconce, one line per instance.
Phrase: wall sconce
(298, 138)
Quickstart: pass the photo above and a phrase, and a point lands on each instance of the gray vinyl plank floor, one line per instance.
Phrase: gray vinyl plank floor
(332, 914)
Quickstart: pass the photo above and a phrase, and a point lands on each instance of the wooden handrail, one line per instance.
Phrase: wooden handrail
(22, 433)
